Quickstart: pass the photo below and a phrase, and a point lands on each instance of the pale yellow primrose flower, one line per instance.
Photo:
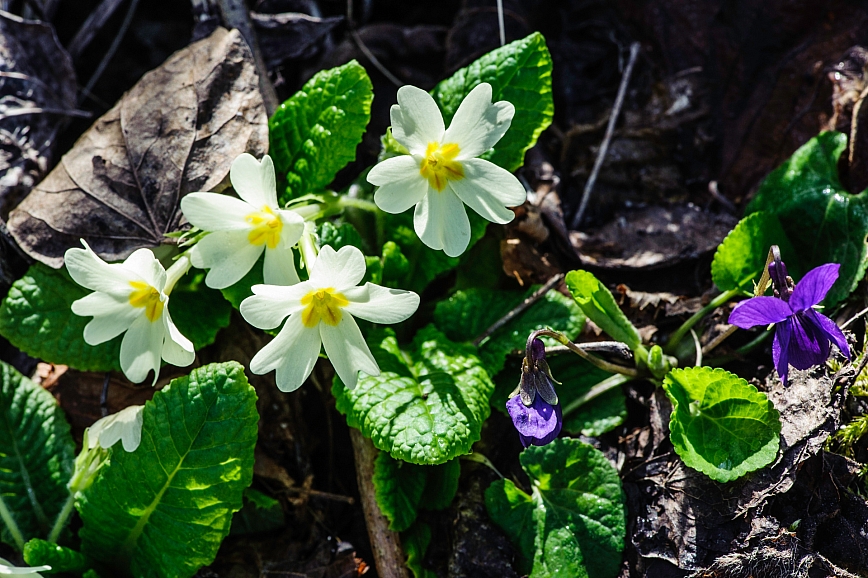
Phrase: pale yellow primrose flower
(441, 173)
(131, 297)
(124, 426)
(321, 312)
(241, 229)
(8, 569)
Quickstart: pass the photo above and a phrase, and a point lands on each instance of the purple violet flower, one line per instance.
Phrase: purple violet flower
(534, 407)
(802, 335)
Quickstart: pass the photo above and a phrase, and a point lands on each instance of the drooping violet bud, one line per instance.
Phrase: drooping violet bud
(534, 407)
(538, 424)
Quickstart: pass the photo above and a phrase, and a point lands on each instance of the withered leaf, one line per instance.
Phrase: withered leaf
(176, 131)
(37, 88)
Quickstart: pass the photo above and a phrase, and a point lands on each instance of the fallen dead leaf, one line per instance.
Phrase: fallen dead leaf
(37, 88)
(176, 131)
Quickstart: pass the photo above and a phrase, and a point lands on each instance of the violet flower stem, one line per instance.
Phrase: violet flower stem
(579, 350)
(676, 337)
(608, 384)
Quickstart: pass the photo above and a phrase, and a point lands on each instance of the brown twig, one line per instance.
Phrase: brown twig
(520, 308)
(604, 147)
(386, 544)
(92, 26)
(235, 15)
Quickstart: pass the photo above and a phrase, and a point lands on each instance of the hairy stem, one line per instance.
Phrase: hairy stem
(675, 339)
(62, 517)
(579, 349)
(608, 384)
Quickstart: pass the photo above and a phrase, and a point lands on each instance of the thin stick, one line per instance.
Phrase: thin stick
(385, 544)
(92, 26)
(128, 19)
(696, 347)
(235, 15)
(854, 318)
(579, 349)
(608, 384)
(604, 148)
(323, 495)
(500, 22)
(519, 309)
(374, 60)
(859, 370)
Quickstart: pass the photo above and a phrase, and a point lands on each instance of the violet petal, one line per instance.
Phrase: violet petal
(538, 424)
(759, 311)
(832, 331)
(809, 345)
(780, 347)
(813, 287)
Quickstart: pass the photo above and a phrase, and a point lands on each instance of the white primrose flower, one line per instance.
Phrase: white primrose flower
(442, 174)
(124, 426)
(9, 569)
(321, 311)
(241, 229)
(131, 297)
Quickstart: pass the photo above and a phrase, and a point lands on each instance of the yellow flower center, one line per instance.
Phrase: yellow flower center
(146, 296)
(266, 228)
(322, 305)
(440, 165)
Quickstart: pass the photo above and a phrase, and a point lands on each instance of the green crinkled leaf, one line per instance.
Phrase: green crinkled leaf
(466, 314)
(441, 485)
(577, 376)
(427, 405)
(36, 317)
(41, 552)
(314, 133)
(599, 305)
(519, 72)
(36, 456)
(512, 510)
(577, 510)
(338, 236)
(163, 510)
(398, 488)
(824, 222)
(721, 425)
(740, 259)
(415, 542)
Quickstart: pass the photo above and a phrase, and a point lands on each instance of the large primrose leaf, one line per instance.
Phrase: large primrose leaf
(577, 510)
(314, 134)
(427, 405)
(402, 489)
(740, 259)
(36, 457)
(824, 222)
(721, 425)
(466, 314)
(599, 305)
(519, 72)
(163, 510)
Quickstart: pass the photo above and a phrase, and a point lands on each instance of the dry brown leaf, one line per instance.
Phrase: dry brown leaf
(176, 131)
(37, 88)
